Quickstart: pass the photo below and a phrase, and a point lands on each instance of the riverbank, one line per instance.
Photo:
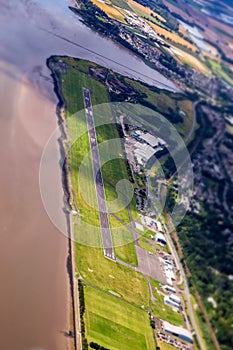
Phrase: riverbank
(74, 332)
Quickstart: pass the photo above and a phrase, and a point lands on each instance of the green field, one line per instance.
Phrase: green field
(115, 324)
(165, 346)
(123, 242)
(163, 311)
(168, 103)
(109, 275)
(218, 69)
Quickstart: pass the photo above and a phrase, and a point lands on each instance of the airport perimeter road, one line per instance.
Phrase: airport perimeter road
(99, 185)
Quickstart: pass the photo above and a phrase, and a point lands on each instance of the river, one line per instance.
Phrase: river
(34, 283)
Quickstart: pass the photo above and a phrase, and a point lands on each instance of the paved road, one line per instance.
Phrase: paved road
(101, 200)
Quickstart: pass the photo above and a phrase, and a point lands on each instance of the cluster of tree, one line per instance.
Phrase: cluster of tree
(170, 63)
(204, 239)
(97, 346)
(152, 323)
(82, 311)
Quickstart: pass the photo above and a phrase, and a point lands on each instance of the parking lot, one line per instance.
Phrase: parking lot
(150, 265)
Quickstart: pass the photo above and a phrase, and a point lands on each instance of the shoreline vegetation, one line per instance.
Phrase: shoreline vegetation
(67, 188)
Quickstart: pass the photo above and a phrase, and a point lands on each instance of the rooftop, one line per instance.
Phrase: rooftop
(177, 330)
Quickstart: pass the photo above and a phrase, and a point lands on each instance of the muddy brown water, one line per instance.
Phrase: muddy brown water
(33, 278)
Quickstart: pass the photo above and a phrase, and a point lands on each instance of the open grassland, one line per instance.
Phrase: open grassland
(114, 170)
(111, 11)
(115, 324)
(175, 38)
(168, 104)
(144, 11)
(146, 246)
(163, 311)
(123, 242)
(111, 276)
(164, 346)
(80, 164)
(218, 70)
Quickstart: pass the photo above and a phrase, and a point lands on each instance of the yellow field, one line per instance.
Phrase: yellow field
(112, 12)
(184, 57)
(172, 36)
(145, 10)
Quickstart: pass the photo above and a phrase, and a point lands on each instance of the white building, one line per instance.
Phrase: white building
(170, 302)
(143, 152)
(179, 332)
(169, 289)
(175, 298)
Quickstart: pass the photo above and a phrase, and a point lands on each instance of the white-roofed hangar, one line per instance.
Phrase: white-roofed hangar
(178, 332)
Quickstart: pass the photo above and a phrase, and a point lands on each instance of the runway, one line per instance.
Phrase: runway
(101, 200)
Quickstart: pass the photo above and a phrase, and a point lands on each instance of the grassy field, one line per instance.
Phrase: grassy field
(116, 325)
(146, 246)
(123, 242)
(114, 165)
(108, 275)
(81, 166)
(218, 69)
(163, 311)
(164, 346)
(167, 103)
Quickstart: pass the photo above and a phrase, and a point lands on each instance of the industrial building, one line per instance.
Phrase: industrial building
(169, 289)
(170, 302)
(143, 152)
(170, 274)
(178, 332)
(160, 238)
(159, 226)
(175, 298)
(150, 139)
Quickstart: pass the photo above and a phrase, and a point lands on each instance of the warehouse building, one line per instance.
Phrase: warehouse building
(178, 332)
(152, 140)
(143, 152)
(170, 302)
(175, 298)
(169, 289)
(160, 238)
